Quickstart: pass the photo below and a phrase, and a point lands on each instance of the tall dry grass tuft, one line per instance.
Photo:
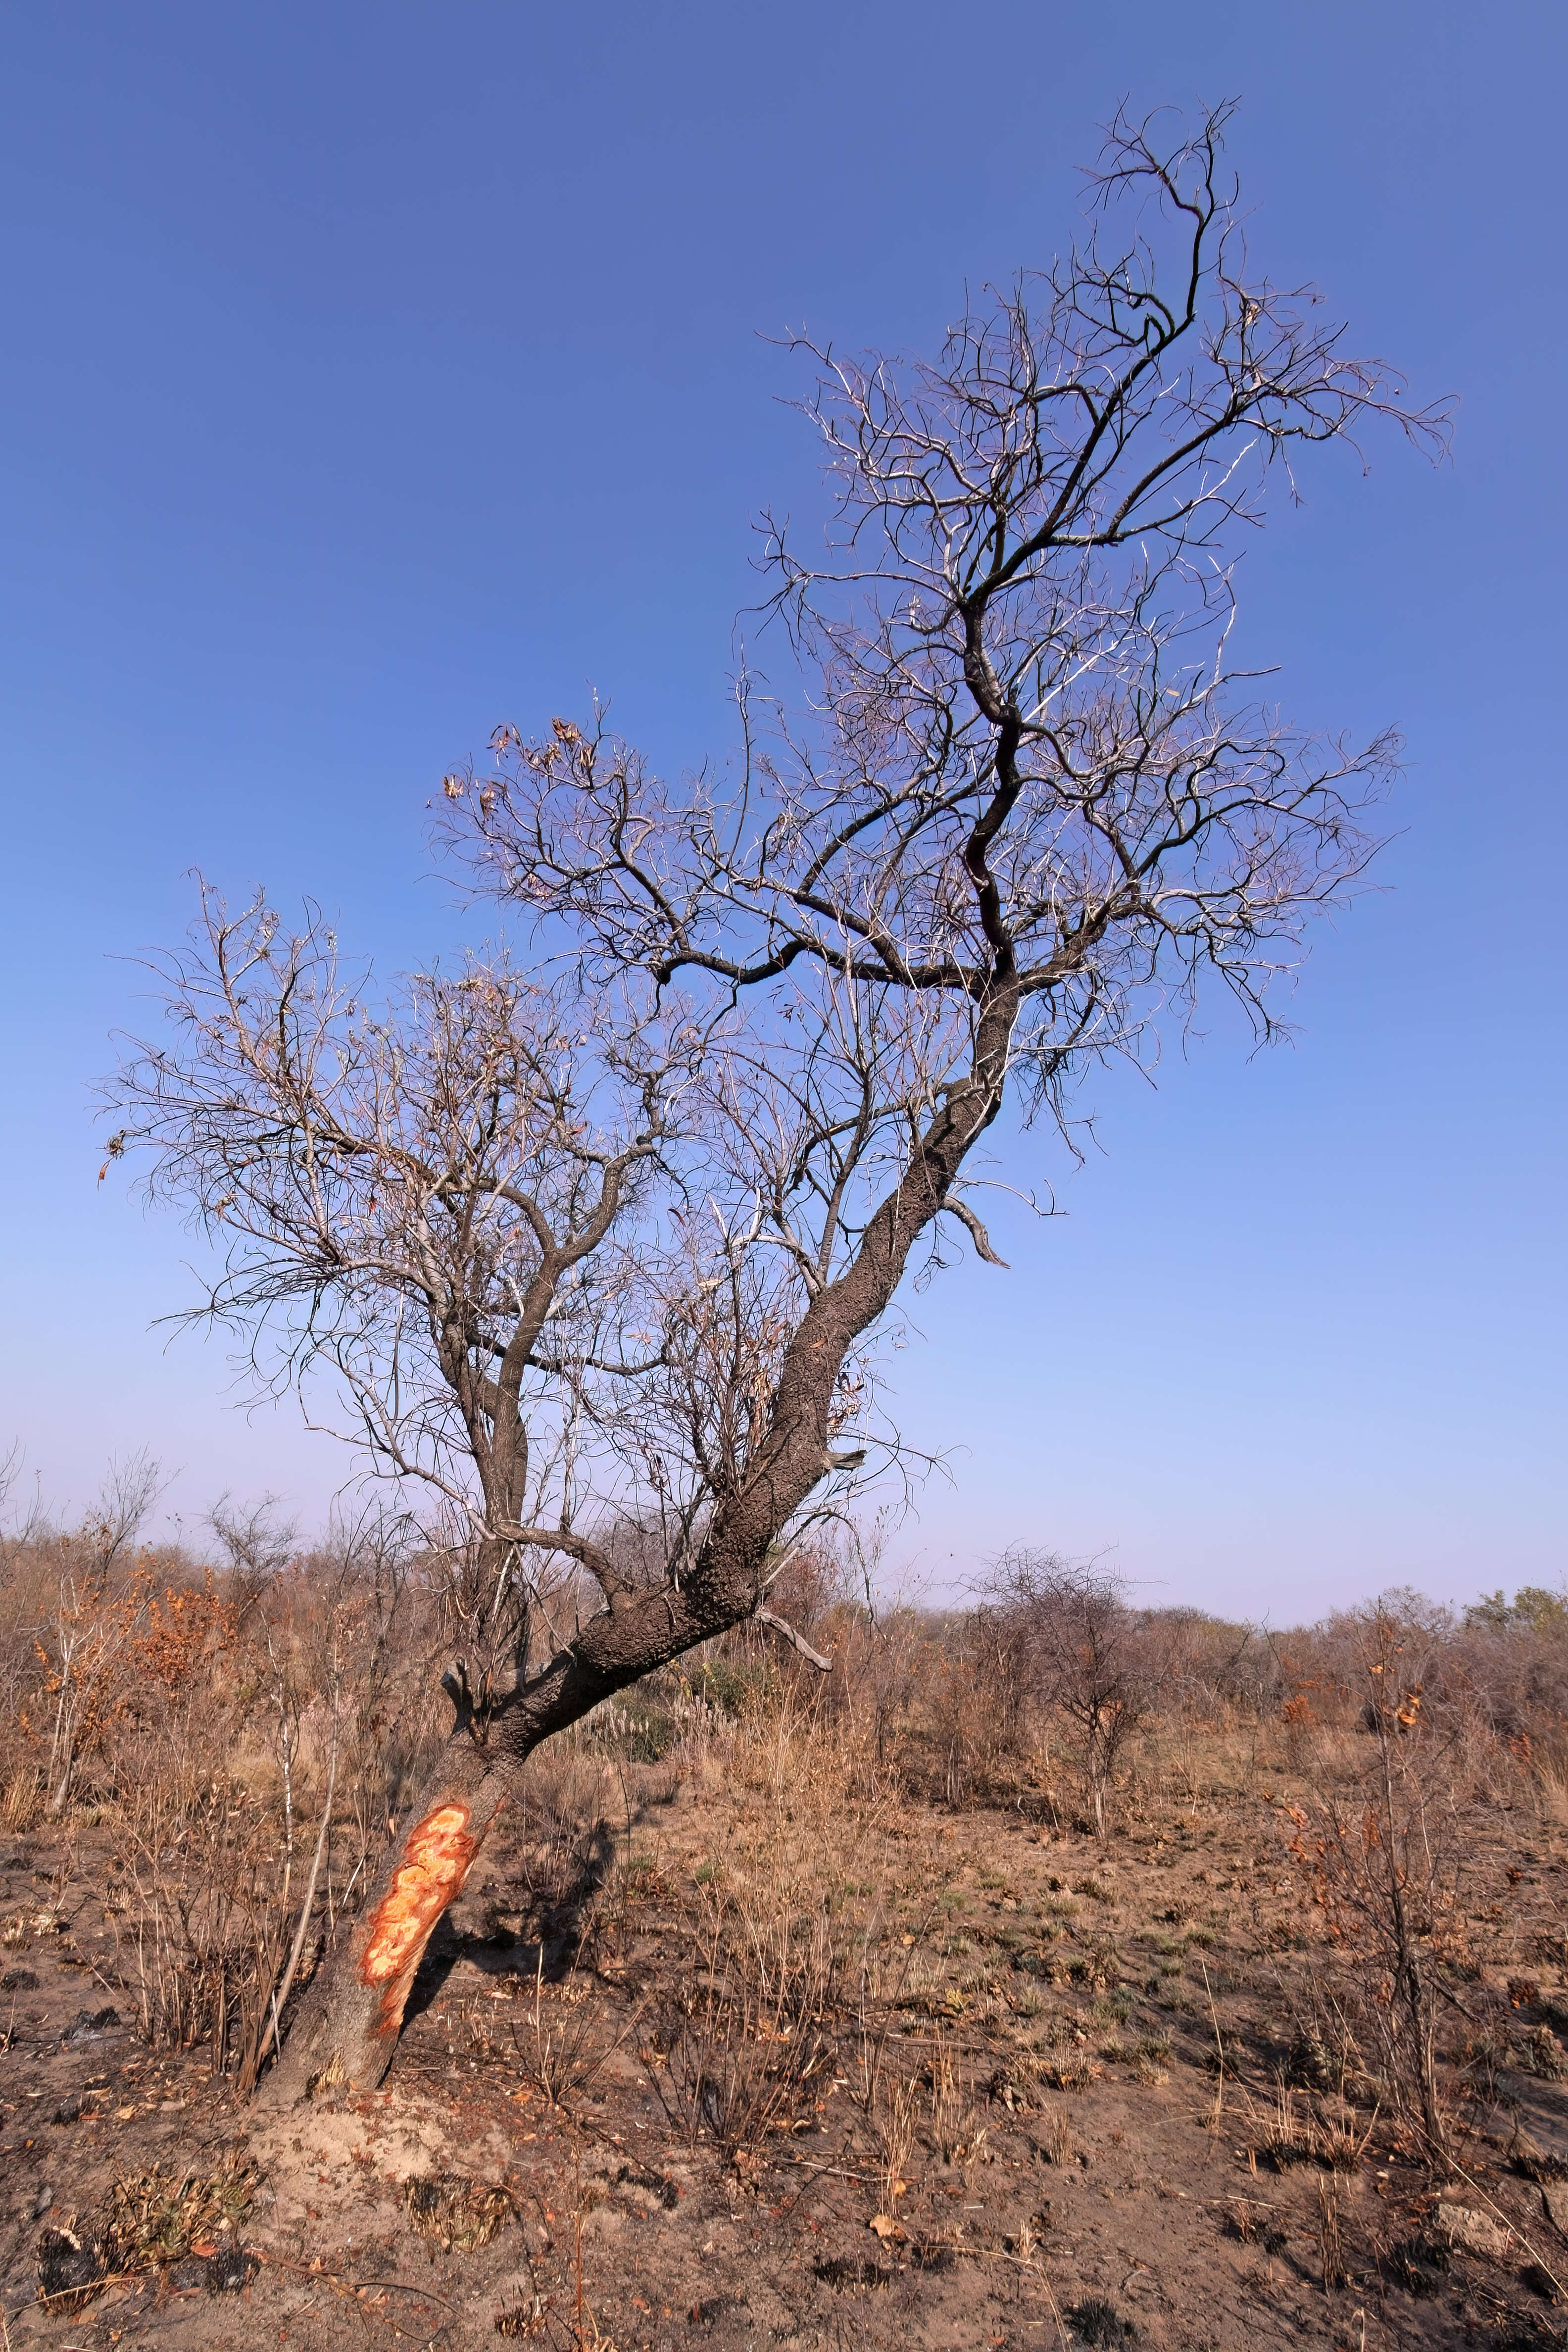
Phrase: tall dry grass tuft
(782, 1963)
(21, 1800)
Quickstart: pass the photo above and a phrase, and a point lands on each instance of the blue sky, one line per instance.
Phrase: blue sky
(373, 375)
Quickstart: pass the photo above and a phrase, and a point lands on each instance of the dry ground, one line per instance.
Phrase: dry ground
(739, 2060)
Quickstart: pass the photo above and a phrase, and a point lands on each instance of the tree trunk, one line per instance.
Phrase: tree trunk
(348, 2026)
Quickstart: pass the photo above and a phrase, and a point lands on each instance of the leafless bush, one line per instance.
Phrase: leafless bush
(1382, 1845)
(197, 1920)
(563, 2043)
(200, 1671)
(1069, 1639)
(752, 2032)
(202, 1715)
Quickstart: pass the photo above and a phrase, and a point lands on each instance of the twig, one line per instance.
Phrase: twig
(403, 2286)
(281, 1993)
(834, 2172)
(577, 2219)
(1021, 2263)
(341, 2286)
(796, 1641)
(1512, 2226)
(284, 1990)
(1219, 2047)
(1055, 2310)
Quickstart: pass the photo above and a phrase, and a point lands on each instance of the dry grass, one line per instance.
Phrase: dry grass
(458, 2215)
(152, 2221)
(831, 1964)
(771, 1981)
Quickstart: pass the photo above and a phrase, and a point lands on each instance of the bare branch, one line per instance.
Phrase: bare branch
(977, 1233)
(797, 1642)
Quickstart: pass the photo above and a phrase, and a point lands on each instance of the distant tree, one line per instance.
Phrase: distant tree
(257, 1541)
(1533, 1608)
(89, 1634)
(1542, 1611)
(1076, 1645)
(1022, 809)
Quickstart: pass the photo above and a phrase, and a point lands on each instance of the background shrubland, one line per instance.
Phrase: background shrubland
(1042, 1890)
(225, 1736)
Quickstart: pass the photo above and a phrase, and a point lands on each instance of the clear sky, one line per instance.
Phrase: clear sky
(374, 374)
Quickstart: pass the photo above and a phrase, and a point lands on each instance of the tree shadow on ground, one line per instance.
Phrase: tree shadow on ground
(545, 1946)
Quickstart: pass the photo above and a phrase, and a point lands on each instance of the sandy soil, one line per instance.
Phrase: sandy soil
(1021, 2133)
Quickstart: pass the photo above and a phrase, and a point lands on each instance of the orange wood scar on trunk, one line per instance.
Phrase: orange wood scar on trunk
(435, 1864)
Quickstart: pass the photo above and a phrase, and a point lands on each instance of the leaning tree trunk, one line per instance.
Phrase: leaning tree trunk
(348, 2026)
(349, 2022)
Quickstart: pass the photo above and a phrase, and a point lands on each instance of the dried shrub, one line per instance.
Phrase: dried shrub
(155, 2218)
(1381, 1847)
(458, 2215)
(153, 2221)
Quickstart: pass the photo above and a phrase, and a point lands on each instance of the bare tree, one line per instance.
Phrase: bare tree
(11, 1462)
(257, 1540)
(458, 1204)
(1028, 808)
(96, 1614)
(414, 1196)
(1075, 1646)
